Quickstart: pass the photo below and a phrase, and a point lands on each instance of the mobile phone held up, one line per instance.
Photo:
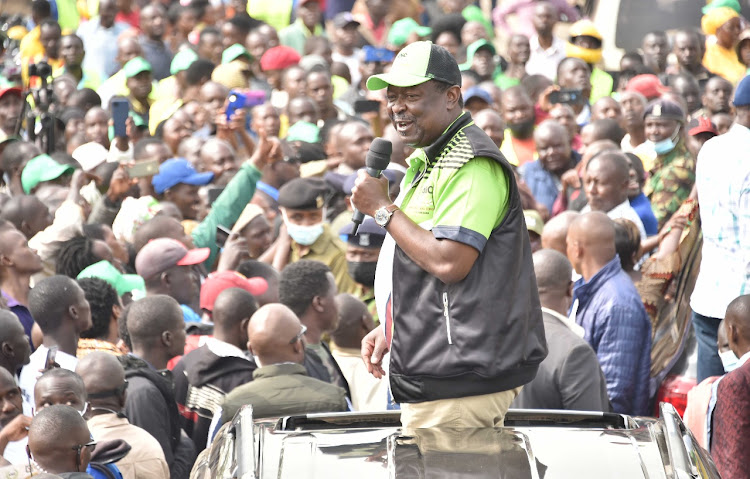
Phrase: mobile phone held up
(570, 97)
(222, 235)
(50, 361)
(244, 99)
(143, 169)
(120, 111)
(366, 106)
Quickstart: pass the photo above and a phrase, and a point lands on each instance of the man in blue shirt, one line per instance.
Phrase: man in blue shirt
(607, 305)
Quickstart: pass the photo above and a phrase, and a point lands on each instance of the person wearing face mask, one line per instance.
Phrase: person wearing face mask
(362, 251)
(729, 429)
(305, 235)
(673, 172)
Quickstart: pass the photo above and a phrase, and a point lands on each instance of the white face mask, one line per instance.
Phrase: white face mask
(729, 360)
(303, 235)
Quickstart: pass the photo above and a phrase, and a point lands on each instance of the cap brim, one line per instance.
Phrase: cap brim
(257, 286)
(698, 130)
(54, 172)
(195, 256)
(129, 283)
(423, 31)
(198, 179)
(378, 82)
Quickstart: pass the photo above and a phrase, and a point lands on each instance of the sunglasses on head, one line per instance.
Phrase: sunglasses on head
(299, 336)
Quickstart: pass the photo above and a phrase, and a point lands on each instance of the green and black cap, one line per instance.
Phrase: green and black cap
(416, 64)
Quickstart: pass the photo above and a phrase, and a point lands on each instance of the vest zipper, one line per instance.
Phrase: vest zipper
(447, 315)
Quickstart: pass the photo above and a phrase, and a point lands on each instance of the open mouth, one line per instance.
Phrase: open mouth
(403, 126)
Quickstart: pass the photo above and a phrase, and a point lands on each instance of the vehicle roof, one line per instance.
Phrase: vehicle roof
(533, 444)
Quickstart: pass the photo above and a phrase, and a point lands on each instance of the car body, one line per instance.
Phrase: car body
(533, 444)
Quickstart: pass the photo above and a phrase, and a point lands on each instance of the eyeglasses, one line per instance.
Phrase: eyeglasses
(299, 336)
(79, 449)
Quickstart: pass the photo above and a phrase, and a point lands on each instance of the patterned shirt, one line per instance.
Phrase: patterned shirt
(723, 181)
(670, 182)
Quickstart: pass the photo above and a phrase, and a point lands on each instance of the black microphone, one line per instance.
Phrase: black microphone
(377, 160)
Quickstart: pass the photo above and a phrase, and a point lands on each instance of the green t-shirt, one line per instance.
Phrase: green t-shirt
(459, 197)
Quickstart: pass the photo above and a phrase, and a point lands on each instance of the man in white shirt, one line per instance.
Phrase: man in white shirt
(606, 184)
(99, 36)
(59, 307)
(345, 44)
(13, 424)
(723, 182)
(547, 50)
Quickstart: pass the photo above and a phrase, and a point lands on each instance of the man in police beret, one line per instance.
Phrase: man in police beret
(672, 174)
(305, 235)
(362, 252)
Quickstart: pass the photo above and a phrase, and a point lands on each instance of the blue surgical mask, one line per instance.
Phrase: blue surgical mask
(666, 145)
(304, 235)
(729, 360)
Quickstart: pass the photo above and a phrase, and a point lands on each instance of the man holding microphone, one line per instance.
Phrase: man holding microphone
(455, 285)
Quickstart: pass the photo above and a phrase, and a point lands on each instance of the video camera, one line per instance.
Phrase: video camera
(41, 69)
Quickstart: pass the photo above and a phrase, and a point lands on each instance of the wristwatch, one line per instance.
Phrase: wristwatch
(383, 215)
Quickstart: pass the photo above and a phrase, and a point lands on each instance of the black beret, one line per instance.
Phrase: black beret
(303, 194)
(369, 235)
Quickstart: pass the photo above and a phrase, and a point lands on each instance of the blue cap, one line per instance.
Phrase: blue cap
(369, 234)
(178, 170)
(378, 54)
(742, 93)
(477, 92)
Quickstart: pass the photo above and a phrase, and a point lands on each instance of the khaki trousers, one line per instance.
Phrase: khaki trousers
(487, 410)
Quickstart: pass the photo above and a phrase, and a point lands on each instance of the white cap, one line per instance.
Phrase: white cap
(90, 155)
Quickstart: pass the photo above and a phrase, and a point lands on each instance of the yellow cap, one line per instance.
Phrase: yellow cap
(585, 27)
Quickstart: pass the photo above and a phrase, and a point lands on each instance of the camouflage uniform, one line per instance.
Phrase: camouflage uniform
(670, 182)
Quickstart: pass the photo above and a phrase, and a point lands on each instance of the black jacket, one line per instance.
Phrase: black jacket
(201, 380)
(483, 334)
(151, 405)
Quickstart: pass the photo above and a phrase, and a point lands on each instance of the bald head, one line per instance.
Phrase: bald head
(151, 316)
(591, 243)
(101, 373)
(232, 306)
(160, 226)
(270, 331)
(355, 321)
(597, 147)
(553, 271)
(14, 344)
(556, 231)
(737, 324)
(54, 435)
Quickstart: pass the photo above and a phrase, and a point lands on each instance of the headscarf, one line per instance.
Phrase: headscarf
(714, 19)
(733, 4)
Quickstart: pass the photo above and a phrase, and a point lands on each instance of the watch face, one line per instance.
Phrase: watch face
(381, 216)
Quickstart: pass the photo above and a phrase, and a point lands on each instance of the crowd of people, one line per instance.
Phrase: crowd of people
(176, 241)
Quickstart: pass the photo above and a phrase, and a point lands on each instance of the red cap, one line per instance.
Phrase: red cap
(218, 282)
(12, 89)
(701, 125)
(647, 85)
(278, 58)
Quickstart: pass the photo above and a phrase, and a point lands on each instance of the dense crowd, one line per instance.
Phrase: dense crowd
(176, 235)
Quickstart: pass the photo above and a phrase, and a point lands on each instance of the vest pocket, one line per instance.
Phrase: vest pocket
(447, 316)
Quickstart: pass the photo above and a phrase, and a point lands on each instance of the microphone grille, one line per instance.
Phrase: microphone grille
(379, 155)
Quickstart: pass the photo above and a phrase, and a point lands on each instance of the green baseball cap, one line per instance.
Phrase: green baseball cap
(472, 49)
(123, 283)
(136, 66)
(182, 61)
(40, 169)
(303, 131)
(416, 64)
(400, 31)
(234, 52)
